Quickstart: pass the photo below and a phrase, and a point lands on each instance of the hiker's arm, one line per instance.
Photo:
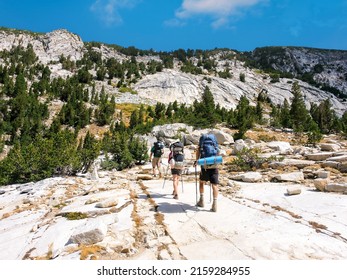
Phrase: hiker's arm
(151, 154)
(197, 155)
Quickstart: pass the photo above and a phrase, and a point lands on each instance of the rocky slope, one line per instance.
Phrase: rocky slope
(291, 209)
(172, 84)
(48, 47)
(326, 67)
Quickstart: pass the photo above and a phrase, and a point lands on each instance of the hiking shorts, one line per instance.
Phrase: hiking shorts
(155, 162)
(209, 175)
(175, 171)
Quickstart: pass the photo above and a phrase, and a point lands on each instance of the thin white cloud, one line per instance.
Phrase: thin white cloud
(174, 22)
(108, 10)
(219, 10)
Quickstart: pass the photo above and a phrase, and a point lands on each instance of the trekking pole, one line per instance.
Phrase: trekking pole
(210, 192)
(182, 180)
(167, 170)
(196, 186)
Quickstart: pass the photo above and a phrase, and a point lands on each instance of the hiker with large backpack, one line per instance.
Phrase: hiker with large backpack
(157, 151)
(207, 150)
(176, 162)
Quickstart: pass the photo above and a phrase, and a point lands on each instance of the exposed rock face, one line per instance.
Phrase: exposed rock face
(172, 84)
(326, 66)
(48, 47)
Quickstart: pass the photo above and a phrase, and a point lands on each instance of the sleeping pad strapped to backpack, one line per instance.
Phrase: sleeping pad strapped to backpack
(208, 148)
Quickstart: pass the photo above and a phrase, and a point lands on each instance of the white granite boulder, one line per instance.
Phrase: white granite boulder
(293, 190)
(250, 177)
(284, 148)
(110, 202)
(330, 147)
(290, 177)
(336, 187)
(320, 184)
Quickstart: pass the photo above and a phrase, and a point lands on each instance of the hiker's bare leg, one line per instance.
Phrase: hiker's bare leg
(201, 187)
(155, 165)
(201, 190)
(215, 196)
(158, 166)
(214, 191)
(175, 179)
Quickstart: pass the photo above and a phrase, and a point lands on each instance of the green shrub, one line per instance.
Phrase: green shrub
(75, 215)
(249, 159)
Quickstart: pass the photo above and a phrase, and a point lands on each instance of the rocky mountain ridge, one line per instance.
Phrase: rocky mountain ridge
(173, 84)
(321, 66)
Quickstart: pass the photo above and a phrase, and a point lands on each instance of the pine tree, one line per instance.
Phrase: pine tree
(324, 116)
(275, 116)
(314, 135)
(285, 117)
(134, 119)
(138, 150)
(88, 152)
(244, 116)
(204, 112)
(121, 155)
(20, 86)
(299, 114)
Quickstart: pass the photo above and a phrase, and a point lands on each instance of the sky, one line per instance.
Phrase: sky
(167, 25)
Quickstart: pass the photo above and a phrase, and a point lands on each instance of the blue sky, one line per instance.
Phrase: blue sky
(166, 25)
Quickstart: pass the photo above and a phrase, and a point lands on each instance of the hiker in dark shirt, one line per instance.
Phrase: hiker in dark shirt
(156, 153)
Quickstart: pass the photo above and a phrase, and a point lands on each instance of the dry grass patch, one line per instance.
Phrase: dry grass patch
(316, 225)
(279, 208)
(159, 218)
(6, 215)
(90, 252)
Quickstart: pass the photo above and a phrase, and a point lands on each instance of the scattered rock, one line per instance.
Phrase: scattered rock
(336, 187)
(293, 190)
(323, 174)
(290, 177)
(250, 177)
(239, 145)
(341, 158)
(284, 148)
(111, 202)
(329, 147)
(320, 184)
(342, 167)
(90, 233)
(319, 156)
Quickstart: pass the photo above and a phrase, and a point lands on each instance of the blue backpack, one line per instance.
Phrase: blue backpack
(208, 145)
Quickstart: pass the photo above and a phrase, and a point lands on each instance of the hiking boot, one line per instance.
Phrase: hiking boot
(201, 202)
(214, 206)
